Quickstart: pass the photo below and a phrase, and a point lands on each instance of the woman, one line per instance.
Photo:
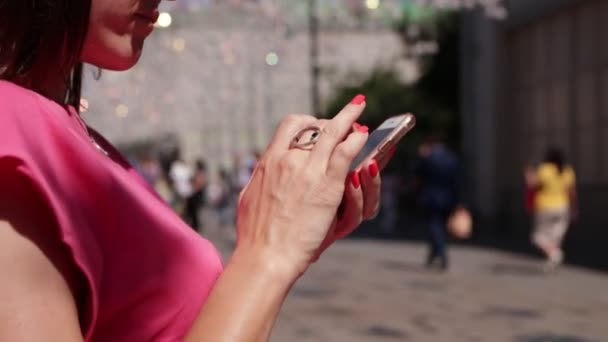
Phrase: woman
(89, 252)
(554, 204)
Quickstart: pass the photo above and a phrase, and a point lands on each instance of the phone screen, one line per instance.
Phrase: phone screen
(372, 143)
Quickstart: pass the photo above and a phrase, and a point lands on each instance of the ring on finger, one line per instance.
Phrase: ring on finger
(299, 142)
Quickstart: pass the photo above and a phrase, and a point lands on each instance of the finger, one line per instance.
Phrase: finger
(348, 216)
(353, 203)
(386, 158)
(344, 154)
(289, 127)
(370, 185)
(336, 129)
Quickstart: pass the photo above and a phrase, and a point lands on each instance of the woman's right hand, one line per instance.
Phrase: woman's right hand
(286, 211)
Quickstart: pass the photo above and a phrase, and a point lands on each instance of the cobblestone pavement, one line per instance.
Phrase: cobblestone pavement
(364, 290)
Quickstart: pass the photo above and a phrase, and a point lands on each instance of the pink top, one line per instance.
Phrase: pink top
(147, 273)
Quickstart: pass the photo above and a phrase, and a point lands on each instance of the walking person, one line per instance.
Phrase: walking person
(196, 200)
(389, 212)
(554, 204)
(180, 179)
(437, 177)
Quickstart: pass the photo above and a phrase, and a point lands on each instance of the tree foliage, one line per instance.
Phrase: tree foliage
(434, 98)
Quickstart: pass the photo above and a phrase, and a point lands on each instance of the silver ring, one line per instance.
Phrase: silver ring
(297, 142)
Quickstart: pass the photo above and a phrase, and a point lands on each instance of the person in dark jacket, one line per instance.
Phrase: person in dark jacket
(437, 175)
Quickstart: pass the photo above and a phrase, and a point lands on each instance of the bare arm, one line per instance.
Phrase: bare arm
(246, 300)
(286, 217)
(36, 303)
(531, 177)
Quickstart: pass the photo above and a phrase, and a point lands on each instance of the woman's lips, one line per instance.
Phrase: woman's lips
(149, 17)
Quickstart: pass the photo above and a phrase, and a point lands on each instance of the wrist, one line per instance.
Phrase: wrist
(267, 264)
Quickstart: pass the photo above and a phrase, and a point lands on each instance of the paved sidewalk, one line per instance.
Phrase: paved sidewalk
(363, 290)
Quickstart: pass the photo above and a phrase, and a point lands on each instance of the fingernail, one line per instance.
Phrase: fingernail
(354, 177)
(373, 168)
(359, 99)
(361, 128)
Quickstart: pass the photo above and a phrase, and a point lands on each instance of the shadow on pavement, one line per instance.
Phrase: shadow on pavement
(547, 337)
(509, 312)
(516, 270)
(385, 332)
(393, 265)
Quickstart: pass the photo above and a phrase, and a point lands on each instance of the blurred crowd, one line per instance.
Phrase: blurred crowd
(192, 189)
(432, 188)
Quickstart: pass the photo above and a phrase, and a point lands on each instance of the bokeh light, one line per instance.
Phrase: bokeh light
(164, 20)
(122, 111)
(179, 44)
(84, 105)
(272, 59)
(372, 4)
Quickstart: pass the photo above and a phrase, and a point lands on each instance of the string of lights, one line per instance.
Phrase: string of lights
(335, 12)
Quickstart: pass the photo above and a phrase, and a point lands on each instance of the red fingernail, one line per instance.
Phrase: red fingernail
(354, 177)
(362, 128)
(359, 99)
(373, 168)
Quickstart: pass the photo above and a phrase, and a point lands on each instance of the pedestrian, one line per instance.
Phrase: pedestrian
(196, 200)
(180, 178)
(437, 180)
(88, 251)
(554, 205)
(389, 213)
(226, 200)
(149, 168)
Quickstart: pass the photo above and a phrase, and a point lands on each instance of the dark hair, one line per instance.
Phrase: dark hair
(39, 36)
(224, 174)
(556, 157)
(201, 165)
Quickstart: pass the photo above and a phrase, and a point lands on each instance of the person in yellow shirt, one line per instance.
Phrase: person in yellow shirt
(554, 183)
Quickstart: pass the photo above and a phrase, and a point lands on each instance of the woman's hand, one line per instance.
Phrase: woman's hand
(288, 212)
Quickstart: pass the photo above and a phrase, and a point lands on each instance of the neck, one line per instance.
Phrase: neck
(53, 85)
(55, 89)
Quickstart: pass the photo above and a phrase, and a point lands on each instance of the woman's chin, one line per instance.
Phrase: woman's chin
(116, 61)
(123, 63)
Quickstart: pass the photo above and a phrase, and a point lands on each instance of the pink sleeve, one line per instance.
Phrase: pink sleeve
(28, 198)
(24, 203)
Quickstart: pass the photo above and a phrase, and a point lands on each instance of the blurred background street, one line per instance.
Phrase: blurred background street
(511, 100)
(369, 290)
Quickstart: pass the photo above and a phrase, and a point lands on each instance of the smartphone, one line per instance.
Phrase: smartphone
(383, 138)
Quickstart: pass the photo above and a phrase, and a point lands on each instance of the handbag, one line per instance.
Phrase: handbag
(460, 223)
